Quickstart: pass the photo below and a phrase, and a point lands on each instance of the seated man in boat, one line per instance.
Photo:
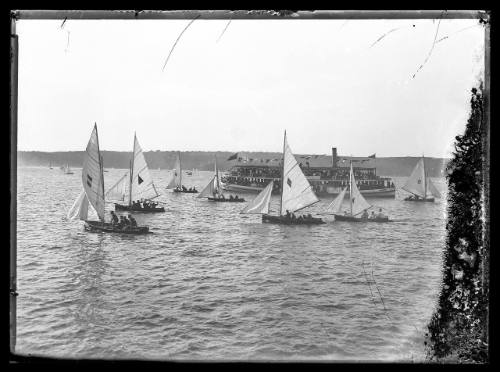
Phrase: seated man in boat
(364, 216)
(236, 197)
(288, 215)
(231, 197)
(380, 214)
(122, 222)
(114, 218)
(184, 188)
(372, 216)
(132, 220)
(345, 213)
(309, 216)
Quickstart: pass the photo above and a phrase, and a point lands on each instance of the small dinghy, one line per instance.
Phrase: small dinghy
(420, 186)
(358, 205)
(175, 183)
(296, 194)
(227, 200)
(140, 185)
(97, 226)
(136, 208)
(93, 193)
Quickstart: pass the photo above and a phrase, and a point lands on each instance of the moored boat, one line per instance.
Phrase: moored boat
(421, 188)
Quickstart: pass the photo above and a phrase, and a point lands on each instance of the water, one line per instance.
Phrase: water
(210, 283)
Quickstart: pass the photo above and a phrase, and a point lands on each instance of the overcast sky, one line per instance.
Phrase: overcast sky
(329, 83)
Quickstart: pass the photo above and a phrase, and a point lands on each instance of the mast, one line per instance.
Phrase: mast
(131, 175)
(282, 172)
(350, 186)
(425, 178)
(216, 173)
(180, 169)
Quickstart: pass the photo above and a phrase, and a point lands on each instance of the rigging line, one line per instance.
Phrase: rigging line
(178, 38)
(223, 31)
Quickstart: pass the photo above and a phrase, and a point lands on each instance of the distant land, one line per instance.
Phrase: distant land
(204, 160)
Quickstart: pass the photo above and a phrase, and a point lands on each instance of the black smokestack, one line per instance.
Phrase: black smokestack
(334, 157)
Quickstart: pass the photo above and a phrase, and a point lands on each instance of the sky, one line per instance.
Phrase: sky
(390, 87)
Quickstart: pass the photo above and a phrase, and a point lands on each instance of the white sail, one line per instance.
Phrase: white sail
(93, 182)
(432, 190)
(416, 182)
(336, 204)
(80, 207)
(217, 182)
(142, 185)
(296, 192)
(261, 203)
(209, 189)
(358, 202)
(119, 190)
(176, 180)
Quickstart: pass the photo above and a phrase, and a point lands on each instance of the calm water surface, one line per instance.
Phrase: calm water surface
(211, 283)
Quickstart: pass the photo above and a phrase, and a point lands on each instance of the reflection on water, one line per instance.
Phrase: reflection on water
(211, 283)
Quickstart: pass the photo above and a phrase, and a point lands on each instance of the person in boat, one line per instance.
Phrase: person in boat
(380, 214)
(184, 188)
(364, 216)
(231, 197)
(132, 220)
(236, 197)
(345, 213)
(288, 215)
(309, 216)
(122, 222)
(114, 218)
(372, 216)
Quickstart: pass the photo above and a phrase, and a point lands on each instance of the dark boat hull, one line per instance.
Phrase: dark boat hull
(286, 221)
(227, 200)
(98, 226)
(340, 217)
(186, 191)
(120, 207)
(429, 200)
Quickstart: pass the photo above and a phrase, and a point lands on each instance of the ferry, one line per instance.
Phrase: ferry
(326, 174)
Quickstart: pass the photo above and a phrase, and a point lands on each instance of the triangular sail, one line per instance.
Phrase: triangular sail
(416, 182)
(431, 189)
(261, 203)
(336, 204)
(176, 180)
(296, 191)
(209, 189)
(93, 182)
(80, 207)
(118, 191)
(358, 202)
(142, 185)
(217, 183)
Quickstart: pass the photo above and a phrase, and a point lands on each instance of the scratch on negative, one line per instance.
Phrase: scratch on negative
(67, 43)
(63, 22)
(223, 31)
(463, 29)
(430, 51)
(384, 35)
(173, 46)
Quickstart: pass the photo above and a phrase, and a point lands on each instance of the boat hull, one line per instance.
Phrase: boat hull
(428, 200)
(340, 217)
(283, 220)
(186, 191)
(226, 200)
(120, 207)
(98, 226)
(374, 193)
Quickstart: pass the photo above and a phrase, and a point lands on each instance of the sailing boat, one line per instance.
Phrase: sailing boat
(357, 203)
(419, 185)
(67, 169)
(140, 185)
(176, 181)
(213, 190)
(93, 193)
(296, 194)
